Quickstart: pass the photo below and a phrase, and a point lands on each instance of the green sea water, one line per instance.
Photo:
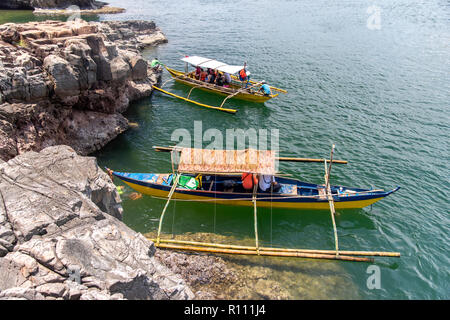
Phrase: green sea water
(382, 95)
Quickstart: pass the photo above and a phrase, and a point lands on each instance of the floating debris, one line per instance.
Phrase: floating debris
(135, 195)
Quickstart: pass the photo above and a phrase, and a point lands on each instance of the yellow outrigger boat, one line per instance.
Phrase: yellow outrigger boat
(248, 90)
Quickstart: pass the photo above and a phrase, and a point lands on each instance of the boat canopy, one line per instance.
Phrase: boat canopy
(227, 161)
(197, 61)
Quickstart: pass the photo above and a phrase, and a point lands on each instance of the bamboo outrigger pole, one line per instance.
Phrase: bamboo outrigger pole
(318, 251)
(239, 91)
(172, 190)
(330, 199)
(194, 102)
(265, 253)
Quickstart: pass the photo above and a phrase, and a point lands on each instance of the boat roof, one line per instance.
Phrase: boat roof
(212, 64)
(227, 161)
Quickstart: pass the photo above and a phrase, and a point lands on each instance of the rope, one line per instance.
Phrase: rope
(215, 206)
(271, 209)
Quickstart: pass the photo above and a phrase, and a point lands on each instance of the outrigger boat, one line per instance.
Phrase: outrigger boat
(215, 176)
(248, 90)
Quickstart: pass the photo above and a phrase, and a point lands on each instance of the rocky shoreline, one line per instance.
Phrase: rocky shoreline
(61, 236)
(69, 82)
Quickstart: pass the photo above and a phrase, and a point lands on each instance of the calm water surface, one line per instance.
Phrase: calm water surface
(382, 96)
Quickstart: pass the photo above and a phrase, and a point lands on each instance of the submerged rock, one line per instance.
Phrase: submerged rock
(69, 82)
(61, 236)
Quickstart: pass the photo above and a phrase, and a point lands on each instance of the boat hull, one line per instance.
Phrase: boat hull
(263, 199)
(241, 96)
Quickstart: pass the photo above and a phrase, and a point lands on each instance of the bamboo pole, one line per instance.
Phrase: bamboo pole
(194, 102)
(331, 201)
(190, 91)
(239, 247)
(237, 92)
(309, 160)
(175, 182)
(272, 88)
(266, 253)
(255, 217)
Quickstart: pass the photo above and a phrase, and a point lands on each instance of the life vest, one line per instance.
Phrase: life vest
(243, 74)
(199, 180)
(249, 180)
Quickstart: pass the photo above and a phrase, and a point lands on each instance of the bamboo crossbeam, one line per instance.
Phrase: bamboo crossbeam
(266, 253)
(272, 88)
(238, 247)
(291, 159)
(237, 92)
(194, 102)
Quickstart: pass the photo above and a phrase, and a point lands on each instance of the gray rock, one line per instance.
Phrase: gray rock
(63, 76)
(69, 242)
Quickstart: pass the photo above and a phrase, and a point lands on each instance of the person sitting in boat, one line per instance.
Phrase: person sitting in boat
(198, 72)
(267, 183)
(219, 79)
(211, 77)
(226, 80)
(249, 180)
(265, 89)
(203, 75)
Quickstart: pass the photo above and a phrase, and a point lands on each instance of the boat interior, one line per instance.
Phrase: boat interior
(233, 184)
(233, 88)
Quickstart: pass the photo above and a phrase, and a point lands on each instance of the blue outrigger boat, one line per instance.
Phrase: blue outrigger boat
(228, 190)
(218, 176)
(223, 185)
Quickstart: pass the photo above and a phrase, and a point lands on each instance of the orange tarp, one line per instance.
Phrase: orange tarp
(227, 161)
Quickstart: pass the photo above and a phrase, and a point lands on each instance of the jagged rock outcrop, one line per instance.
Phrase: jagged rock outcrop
(61, 236)
(69, 82)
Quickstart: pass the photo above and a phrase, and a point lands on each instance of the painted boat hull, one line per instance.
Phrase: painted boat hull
(360, 199)
(259, 98)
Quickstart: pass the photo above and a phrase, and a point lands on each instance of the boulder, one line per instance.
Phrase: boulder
(61, 73)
